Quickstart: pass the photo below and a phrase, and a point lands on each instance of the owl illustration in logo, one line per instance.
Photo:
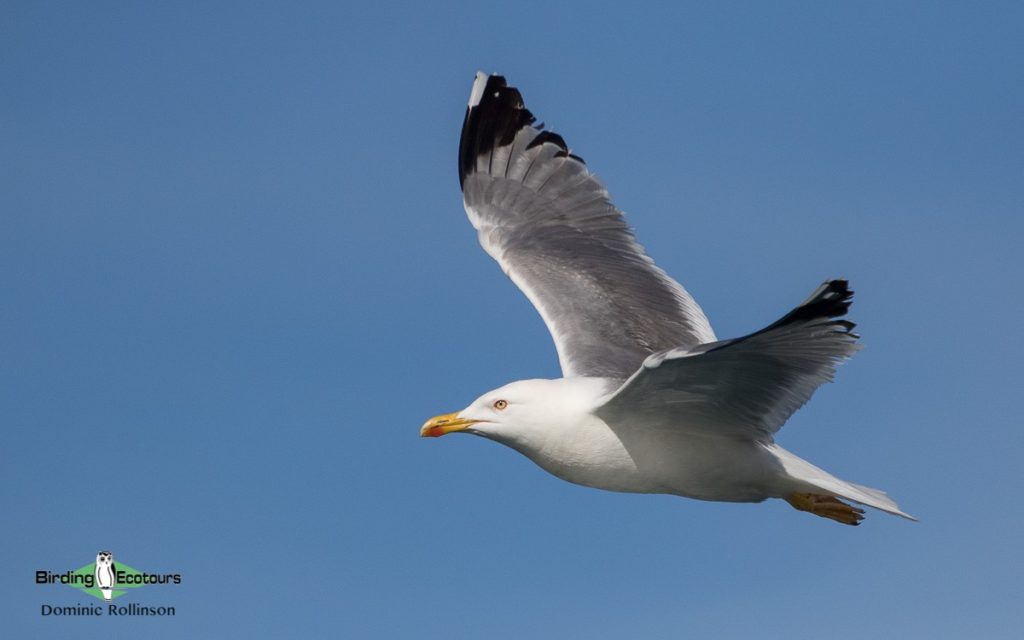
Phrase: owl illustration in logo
(105, 573)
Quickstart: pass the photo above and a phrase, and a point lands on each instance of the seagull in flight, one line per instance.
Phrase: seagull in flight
(650, 401)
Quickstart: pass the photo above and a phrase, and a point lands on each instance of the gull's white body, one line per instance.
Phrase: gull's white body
(555, 424)
(568, 440)
(651, 401)
(586, 450)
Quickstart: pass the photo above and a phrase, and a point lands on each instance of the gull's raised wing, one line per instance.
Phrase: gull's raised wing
(553, 229)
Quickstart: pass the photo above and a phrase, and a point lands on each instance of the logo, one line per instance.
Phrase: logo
(106, 580)
(106, 574)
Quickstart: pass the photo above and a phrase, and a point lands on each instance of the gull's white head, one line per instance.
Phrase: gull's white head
(521, 414)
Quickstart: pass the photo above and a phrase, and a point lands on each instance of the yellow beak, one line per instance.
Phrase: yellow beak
(440, 425)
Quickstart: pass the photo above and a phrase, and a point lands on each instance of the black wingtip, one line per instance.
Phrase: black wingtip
(495, 114)
(495, 118)
(831, 300)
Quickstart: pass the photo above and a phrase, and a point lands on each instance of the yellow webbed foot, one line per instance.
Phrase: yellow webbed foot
(826, 507)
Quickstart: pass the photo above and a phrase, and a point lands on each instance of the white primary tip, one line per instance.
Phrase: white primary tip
(478, 89)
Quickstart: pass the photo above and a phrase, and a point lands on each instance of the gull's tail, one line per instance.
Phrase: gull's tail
(812, 478)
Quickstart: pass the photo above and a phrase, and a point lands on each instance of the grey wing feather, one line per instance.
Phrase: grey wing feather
(551, 226)
(746, 387)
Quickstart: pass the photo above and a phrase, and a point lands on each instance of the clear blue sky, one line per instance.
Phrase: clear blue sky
(237, 277)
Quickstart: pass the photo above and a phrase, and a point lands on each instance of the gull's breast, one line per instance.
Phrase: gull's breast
(589, 453)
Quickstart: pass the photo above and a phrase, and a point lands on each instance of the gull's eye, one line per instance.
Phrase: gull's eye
(500, 404)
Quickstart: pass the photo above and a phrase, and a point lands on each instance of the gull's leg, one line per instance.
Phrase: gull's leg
(826, 507)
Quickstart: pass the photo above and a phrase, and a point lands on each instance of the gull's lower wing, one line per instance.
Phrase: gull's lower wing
(553, 229)
(746, 387)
